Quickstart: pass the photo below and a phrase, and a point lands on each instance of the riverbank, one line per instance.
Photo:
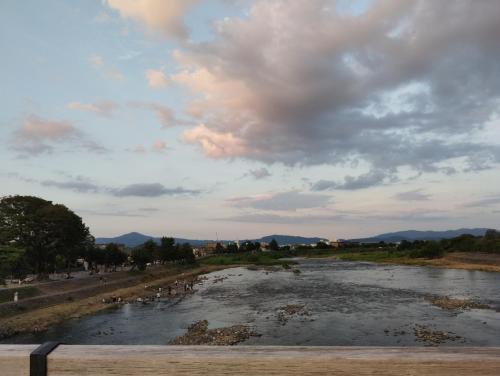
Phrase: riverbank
(41, 319)
(485, 262)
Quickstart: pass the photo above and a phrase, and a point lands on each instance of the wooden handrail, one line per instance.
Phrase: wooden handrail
(79, 360)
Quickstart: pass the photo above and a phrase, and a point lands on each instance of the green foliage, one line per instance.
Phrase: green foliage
(492, 234)
(322, 245)
(113, 255)
(430, 250)
(248, 246)
(232, 248)
(167, 250)
(141, 256)
(47, 232)
(185, 254)
(273, 245)
(13, 262)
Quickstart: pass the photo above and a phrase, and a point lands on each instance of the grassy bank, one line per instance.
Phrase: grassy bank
(24, 292)
(450, 261)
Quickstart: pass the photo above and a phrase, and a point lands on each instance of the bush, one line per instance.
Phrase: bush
(431, 250)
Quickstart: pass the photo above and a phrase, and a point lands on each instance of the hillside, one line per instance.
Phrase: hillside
(133, 239)
(412, 235)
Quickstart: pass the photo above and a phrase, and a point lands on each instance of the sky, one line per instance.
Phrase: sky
(244, 118)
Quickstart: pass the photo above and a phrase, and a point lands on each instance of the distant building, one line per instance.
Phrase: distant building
(334, 243)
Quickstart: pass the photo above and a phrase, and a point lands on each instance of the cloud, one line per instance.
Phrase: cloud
(103, 108)
(159, 145)
(414, 195)
(156, 78)
(151, 190)
(371, 178)
(165, 114)
(138, 149)
(97, 62)
(281, 219)
(161, 16)
(381, 87)
(37, 135)
(110, 213)
(259, 174)
(485, 202)
(80, 184)
(411, 216)
(216, 144)
(291, 200)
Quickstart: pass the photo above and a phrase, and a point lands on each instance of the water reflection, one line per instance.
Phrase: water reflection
(351, 303)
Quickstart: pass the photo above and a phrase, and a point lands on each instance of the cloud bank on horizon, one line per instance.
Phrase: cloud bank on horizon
(331, 118)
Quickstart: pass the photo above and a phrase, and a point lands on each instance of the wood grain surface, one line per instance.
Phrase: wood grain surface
(78, 360)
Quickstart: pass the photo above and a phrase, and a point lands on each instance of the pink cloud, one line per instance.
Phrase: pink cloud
(159, 145)
(156, 78)
(36, 135)
(103, 108)
(37, 129)
(165, 16)
(216, 144)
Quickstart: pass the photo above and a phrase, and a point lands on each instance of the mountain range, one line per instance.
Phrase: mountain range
(412, 235)
(133, 239)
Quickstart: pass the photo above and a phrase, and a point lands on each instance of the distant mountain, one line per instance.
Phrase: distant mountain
(412, 235)
(133, 239)
(288, 239)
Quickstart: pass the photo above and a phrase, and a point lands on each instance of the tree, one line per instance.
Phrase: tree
(114, 255)
(141, 256)
(232, 248)
(167, 251)
(186, 255)
(492, 234)
(219, 248)
(12, 262)
(44, 230)
(322, 245)
(273, 245)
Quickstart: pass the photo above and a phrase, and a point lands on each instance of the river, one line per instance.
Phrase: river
(346, 304)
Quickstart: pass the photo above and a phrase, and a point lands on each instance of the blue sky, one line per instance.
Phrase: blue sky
(246, 118)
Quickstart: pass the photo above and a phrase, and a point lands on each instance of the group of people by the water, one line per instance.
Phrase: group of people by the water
(177, 288)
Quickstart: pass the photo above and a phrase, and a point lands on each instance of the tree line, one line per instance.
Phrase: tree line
(489, 243)
(40, 237)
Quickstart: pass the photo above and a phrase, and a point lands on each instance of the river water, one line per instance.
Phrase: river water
(349, 304)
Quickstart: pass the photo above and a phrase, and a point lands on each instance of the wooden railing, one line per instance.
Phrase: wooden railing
(79, 360)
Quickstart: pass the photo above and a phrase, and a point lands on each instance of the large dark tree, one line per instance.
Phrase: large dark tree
(141, 256)
(273, 245)
(114, 255)
(43, 230)
(166, 250)
(185, 253)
